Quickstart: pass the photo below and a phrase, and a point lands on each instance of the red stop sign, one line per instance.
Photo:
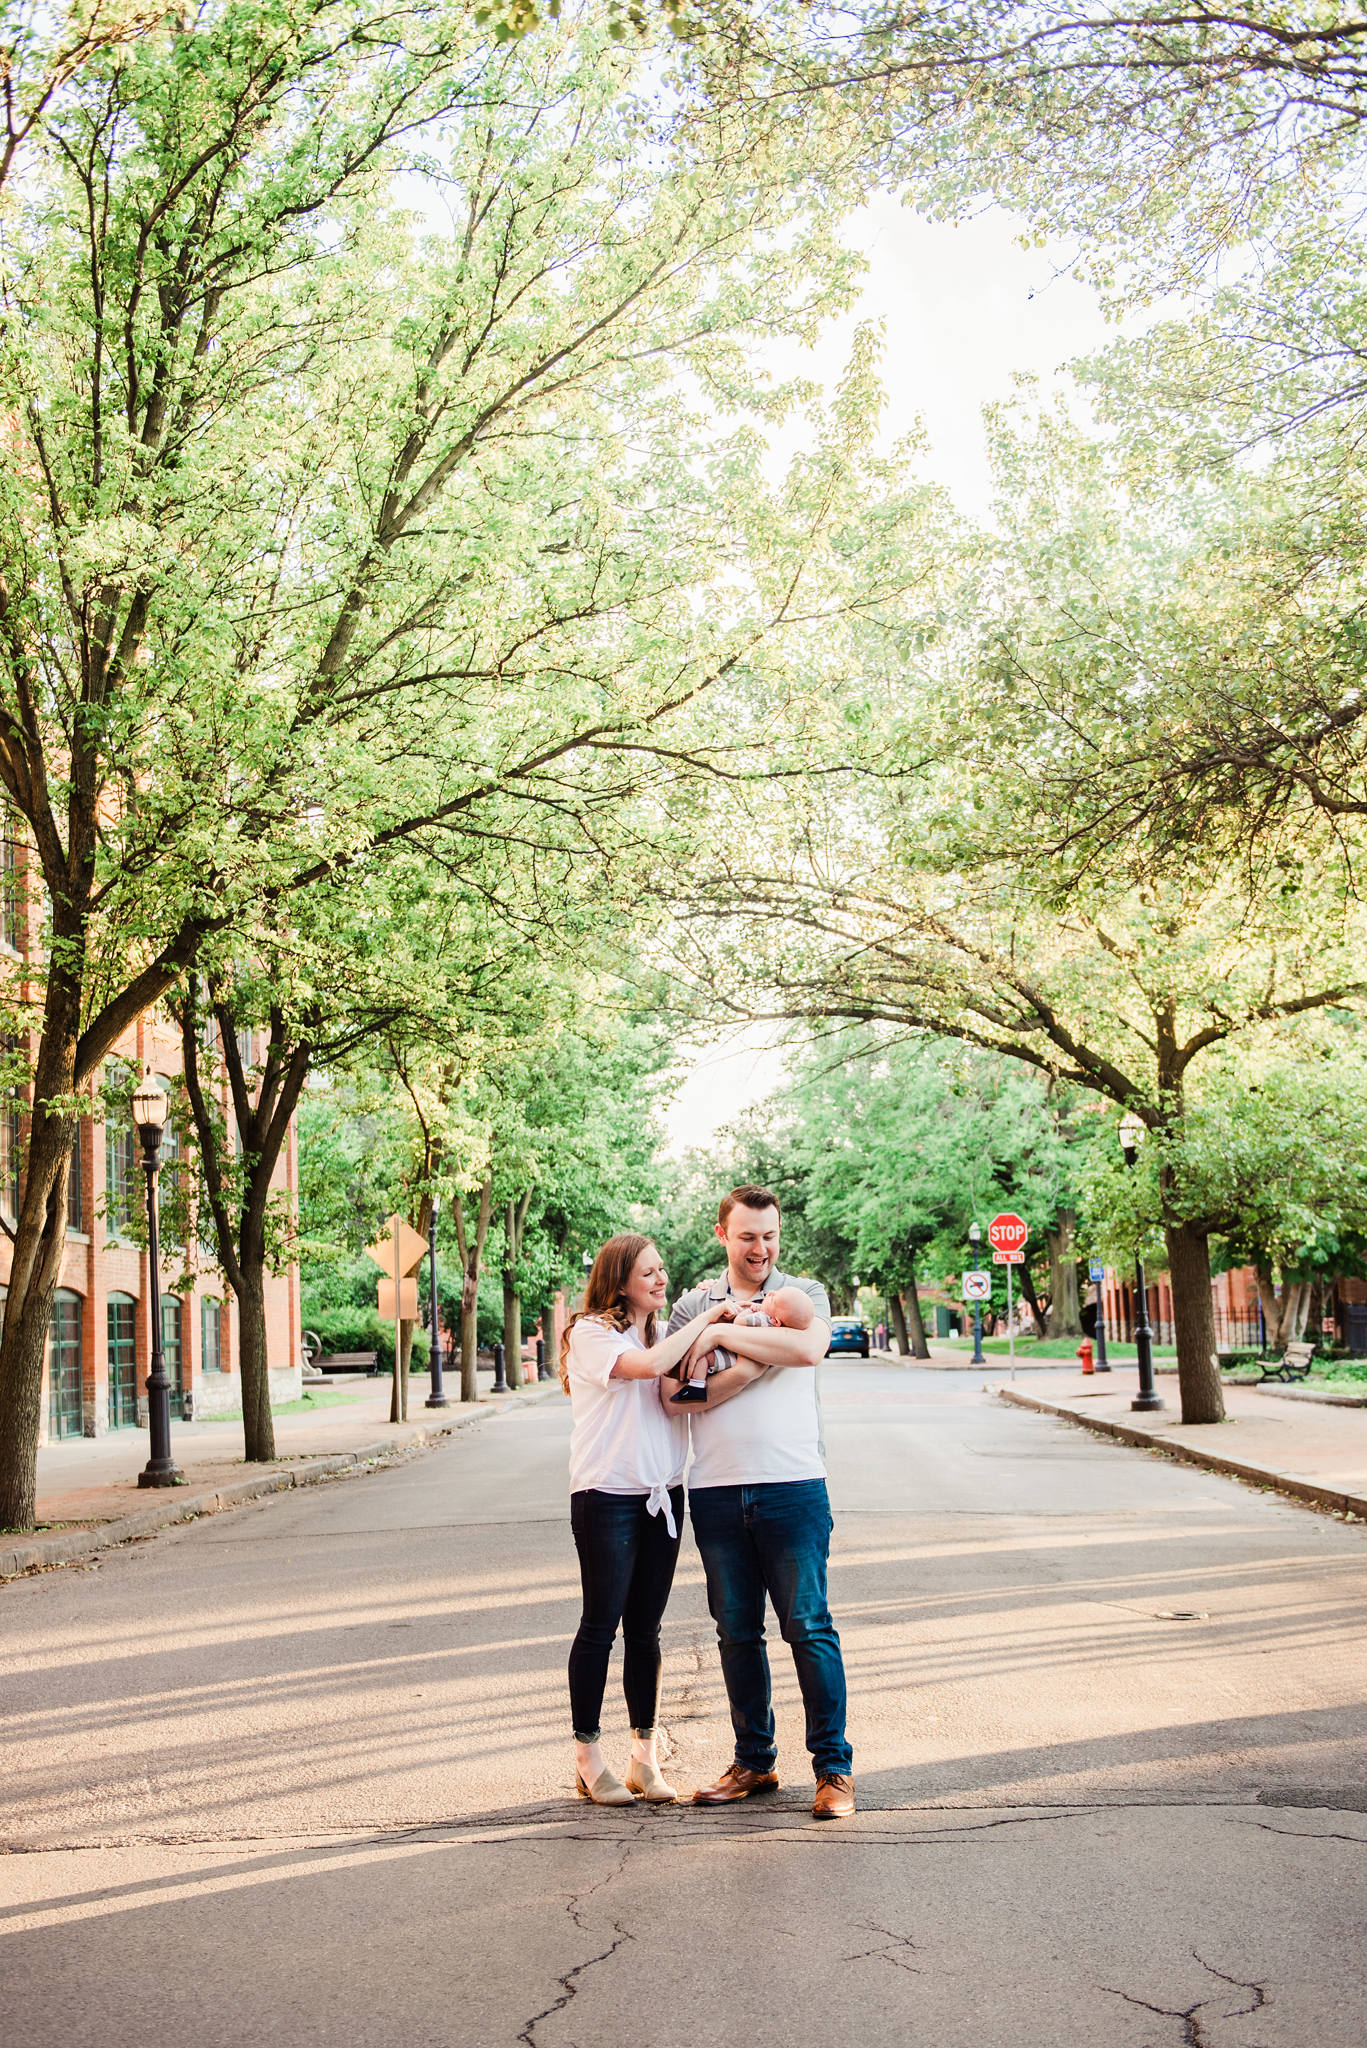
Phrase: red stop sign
(1007, 1233)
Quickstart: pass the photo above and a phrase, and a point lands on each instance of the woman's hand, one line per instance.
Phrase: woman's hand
(663, 1357)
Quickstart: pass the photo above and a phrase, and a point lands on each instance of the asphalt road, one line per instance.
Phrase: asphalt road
(302, 1774)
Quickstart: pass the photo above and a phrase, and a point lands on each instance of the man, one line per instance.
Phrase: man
(757, 1495)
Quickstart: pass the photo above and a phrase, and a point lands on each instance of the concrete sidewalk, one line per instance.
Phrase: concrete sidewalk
(89, 1497)
(1310, 1449)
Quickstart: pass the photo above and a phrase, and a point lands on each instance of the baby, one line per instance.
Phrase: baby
(788, 1309)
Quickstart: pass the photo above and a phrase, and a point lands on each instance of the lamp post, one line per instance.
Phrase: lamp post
(437, 1397)
(1133, 1132)
(1096, 1273)
(975, 1239)
(149, 1115)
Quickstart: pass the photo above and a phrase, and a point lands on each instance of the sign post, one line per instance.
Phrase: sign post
(1007, 1234)
(397, 1254)
(1096, 1273)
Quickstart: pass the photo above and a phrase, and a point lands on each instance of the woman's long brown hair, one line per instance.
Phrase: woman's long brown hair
(605, 1295)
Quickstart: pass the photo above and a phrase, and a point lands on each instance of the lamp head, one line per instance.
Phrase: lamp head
(974, 1234)
(1133, 1132)
(436, 1205)
(149, 1108)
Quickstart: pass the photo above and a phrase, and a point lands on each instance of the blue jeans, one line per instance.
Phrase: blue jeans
(774, 1539)
(626, 1567)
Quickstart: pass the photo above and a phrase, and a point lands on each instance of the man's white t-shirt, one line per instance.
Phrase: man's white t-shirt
(771, 1430)
(622, 1441)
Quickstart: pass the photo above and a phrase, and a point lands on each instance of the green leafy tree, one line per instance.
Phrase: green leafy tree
(321, 534)
(1121, 995)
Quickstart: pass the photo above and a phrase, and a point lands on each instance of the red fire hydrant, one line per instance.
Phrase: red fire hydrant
(1084, 1352)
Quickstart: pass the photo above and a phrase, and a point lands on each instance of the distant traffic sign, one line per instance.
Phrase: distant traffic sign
(1096, 1272)
(1008, 1258)
(1008, 1232)
(977, 1287)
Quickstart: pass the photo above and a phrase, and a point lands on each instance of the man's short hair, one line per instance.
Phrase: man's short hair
(746, 1198)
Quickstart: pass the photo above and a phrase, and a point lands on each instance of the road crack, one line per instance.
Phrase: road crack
(1194, 2034)
(895, 1950)
(569, 1982)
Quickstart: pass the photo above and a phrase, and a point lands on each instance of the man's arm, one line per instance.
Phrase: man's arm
(766, 1346)
(721, 1387)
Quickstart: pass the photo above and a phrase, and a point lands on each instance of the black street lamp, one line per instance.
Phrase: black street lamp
(1133, 1132)
(437, 1397)
(149, 1115)
(975, 1238)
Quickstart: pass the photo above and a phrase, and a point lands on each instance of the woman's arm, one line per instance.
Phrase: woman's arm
(721, 1387)
(652, 1364)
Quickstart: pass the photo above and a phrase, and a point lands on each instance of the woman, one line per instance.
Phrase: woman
(626, 1503)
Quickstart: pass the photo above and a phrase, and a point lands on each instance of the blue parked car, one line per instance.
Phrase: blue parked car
(848, 1333)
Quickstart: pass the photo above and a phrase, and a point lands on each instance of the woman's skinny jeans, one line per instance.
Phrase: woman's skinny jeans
(626, 1563)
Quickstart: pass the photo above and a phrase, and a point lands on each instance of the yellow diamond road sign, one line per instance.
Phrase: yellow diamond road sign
(411, 1248)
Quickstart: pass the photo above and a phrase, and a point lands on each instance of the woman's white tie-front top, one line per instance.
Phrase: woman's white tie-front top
(622, 1442)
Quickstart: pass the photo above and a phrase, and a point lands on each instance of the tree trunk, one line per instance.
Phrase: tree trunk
(1032, 1301)
(915, 1324)
(258, 1424)
(240, 1220)
(1193, 1315)
(471, 1253)
(899, 1324)
(514, 1219)
(469, 1330)
(512, 1335)
(1281, 1315)
(35, 1262)
(36, 1266)
(1065, 1319)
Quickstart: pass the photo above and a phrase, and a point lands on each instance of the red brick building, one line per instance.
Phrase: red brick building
(99, 1348)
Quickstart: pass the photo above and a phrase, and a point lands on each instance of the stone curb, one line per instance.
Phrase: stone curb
(174, 1505)
(1151, 1440)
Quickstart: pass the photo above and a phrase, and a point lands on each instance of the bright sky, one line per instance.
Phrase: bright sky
(965, 310)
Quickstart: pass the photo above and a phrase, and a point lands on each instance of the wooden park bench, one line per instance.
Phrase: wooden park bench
(1293, 1365)
(367, 1362)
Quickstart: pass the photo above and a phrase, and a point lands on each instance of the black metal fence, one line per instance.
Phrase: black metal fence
(1238, 1329)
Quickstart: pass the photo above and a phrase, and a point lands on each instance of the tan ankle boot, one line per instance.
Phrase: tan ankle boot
(605, 1789)
(645, 1781)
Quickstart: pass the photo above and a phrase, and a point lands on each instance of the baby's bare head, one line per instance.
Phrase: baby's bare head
(790, 1308)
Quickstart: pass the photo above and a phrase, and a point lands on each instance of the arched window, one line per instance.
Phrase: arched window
(173, 1351)
(120, 1151)
(64, 1366)
(121, 1324)
(11, 920)
(75, 1206)
(212, 1326)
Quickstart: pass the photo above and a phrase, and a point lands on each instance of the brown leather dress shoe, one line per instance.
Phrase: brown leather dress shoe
(834, 1799)
(735, 1783)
